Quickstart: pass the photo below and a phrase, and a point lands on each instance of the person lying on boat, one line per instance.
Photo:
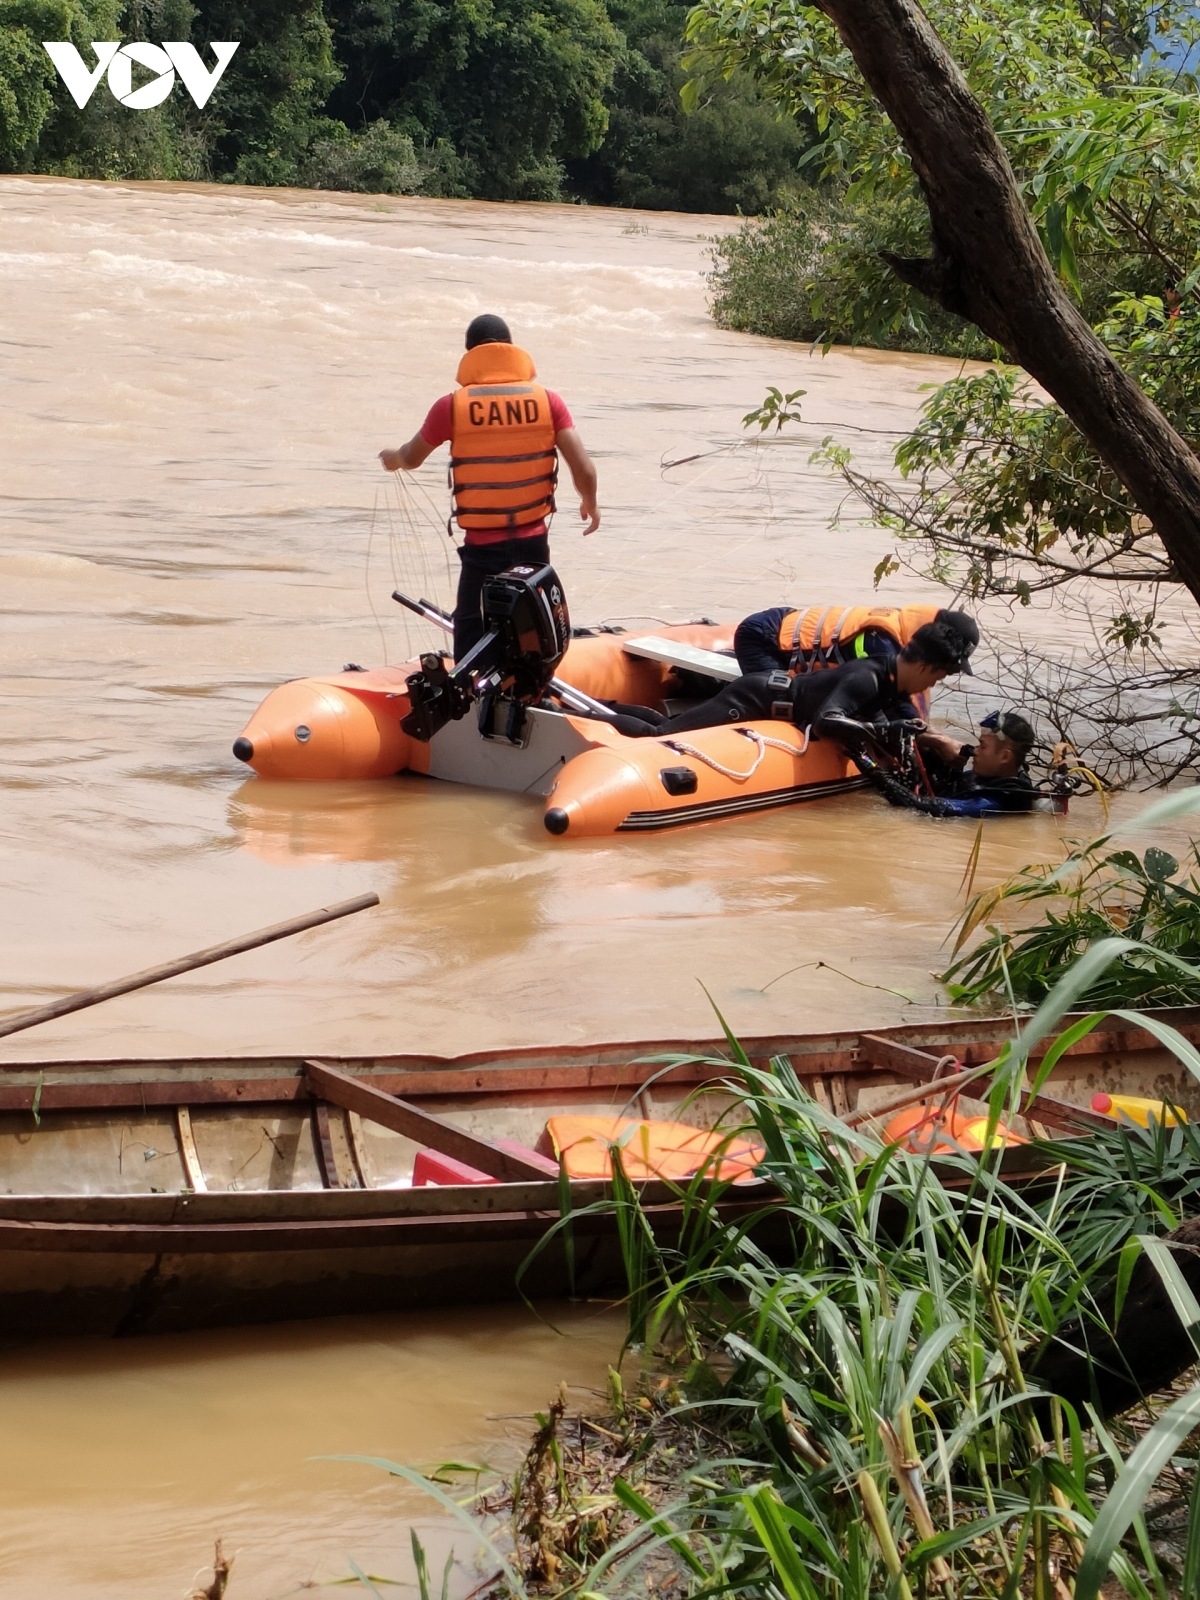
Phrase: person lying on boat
(841, 703)
(506, 434)
(992, 775)
(788, 639)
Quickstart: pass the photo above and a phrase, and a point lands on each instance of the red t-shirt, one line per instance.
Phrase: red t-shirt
(436, 429)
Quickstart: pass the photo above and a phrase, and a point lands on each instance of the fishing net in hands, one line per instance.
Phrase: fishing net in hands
(408, 548)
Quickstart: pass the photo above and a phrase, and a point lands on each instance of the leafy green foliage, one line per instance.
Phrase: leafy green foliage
(1124, 1181)
(257, 127)
(1099, 128)
(502, 99)
(777, 409)
(26, 72)
(380, 160)
(513, 87)
(1098, 893)
(103, 140)
(1036, 68)
(1001, 494)
(264, 116)
(813, 270)
(733, 153)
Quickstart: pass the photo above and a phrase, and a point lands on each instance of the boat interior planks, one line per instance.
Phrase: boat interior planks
(146, 1195)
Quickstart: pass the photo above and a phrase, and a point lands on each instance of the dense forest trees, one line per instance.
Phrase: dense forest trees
(496, 99)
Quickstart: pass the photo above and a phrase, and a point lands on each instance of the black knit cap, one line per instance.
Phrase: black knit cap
(488, 329)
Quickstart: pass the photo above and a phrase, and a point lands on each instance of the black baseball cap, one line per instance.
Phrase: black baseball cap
(947, 641)
(966, 630)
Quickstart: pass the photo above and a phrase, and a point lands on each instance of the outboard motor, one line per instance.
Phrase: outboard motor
(527, 632)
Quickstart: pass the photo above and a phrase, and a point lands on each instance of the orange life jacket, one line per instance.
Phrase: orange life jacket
(503, 464)
(825, 636)
(654, 1149)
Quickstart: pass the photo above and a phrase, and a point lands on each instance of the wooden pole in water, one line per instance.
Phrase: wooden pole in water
(171, 969)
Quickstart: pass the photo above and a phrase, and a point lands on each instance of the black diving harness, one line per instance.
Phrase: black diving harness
(899, 774)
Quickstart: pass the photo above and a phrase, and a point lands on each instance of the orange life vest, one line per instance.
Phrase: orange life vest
(653, 1149)
(503, 463)
(825, 636)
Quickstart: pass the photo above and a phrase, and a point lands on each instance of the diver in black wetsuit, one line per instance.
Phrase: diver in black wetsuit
(990, 776)
(838, 702)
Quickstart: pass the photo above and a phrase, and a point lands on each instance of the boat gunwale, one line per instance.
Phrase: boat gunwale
(218, 1236)
(99, 1083)
(146, 1224)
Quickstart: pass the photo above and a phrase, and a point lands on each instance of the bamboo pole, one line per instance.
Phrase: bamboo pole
(82, 998)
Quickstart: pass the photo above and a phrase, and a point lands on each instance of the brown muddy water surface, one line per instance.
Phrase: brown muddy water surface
(194, 384)
(123, 1462)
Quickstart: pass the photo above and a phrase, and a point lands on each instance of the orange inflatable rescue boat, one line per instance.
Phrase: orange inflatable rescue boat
(592, 779)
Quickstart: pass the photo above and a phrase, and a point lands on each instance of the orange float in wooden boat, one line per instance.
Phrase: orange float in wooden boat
(935, 1129)
(648, 1148)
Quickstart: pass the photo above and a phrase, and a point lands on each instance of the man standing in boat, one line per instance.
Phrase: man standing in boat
(506, 434)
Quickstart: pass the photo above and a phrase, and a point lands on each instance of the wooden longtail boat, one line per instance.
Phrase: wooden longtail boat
(146, 1196)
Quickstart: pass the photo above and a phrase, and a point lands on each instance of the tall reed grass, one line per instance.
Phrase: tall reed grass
(865, 1351)
(859, 1357)
(1152, 900)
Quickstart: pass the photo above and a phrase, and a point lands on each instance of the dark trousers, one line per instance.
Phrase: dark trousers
(480, 561)
(756, 642)
(748, 699)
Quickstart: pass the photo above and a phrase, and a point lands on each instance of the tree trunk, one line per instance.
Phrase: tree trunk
(988, 266)
(1146, 1352)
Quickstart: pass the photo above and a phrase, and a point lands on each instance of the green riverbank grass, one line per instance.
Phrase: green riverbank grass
(845, 1404)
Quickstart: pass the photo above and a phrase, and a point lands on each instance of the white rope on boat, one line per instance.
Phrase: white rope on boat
(779, 744)
(762, 740)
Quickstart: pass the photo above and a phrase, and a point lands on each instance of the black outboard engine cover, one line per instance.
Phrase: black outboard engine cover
(527, 630)
(526, 610)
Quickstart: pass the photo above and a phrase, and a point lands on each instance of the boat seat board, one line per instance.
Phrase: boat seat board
(438, 1134)
(673, 653)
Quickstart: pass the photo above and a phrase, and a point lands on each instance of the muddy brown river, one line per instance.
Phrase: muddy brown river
(195, 383)
(195, 386)
(124, 1461)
